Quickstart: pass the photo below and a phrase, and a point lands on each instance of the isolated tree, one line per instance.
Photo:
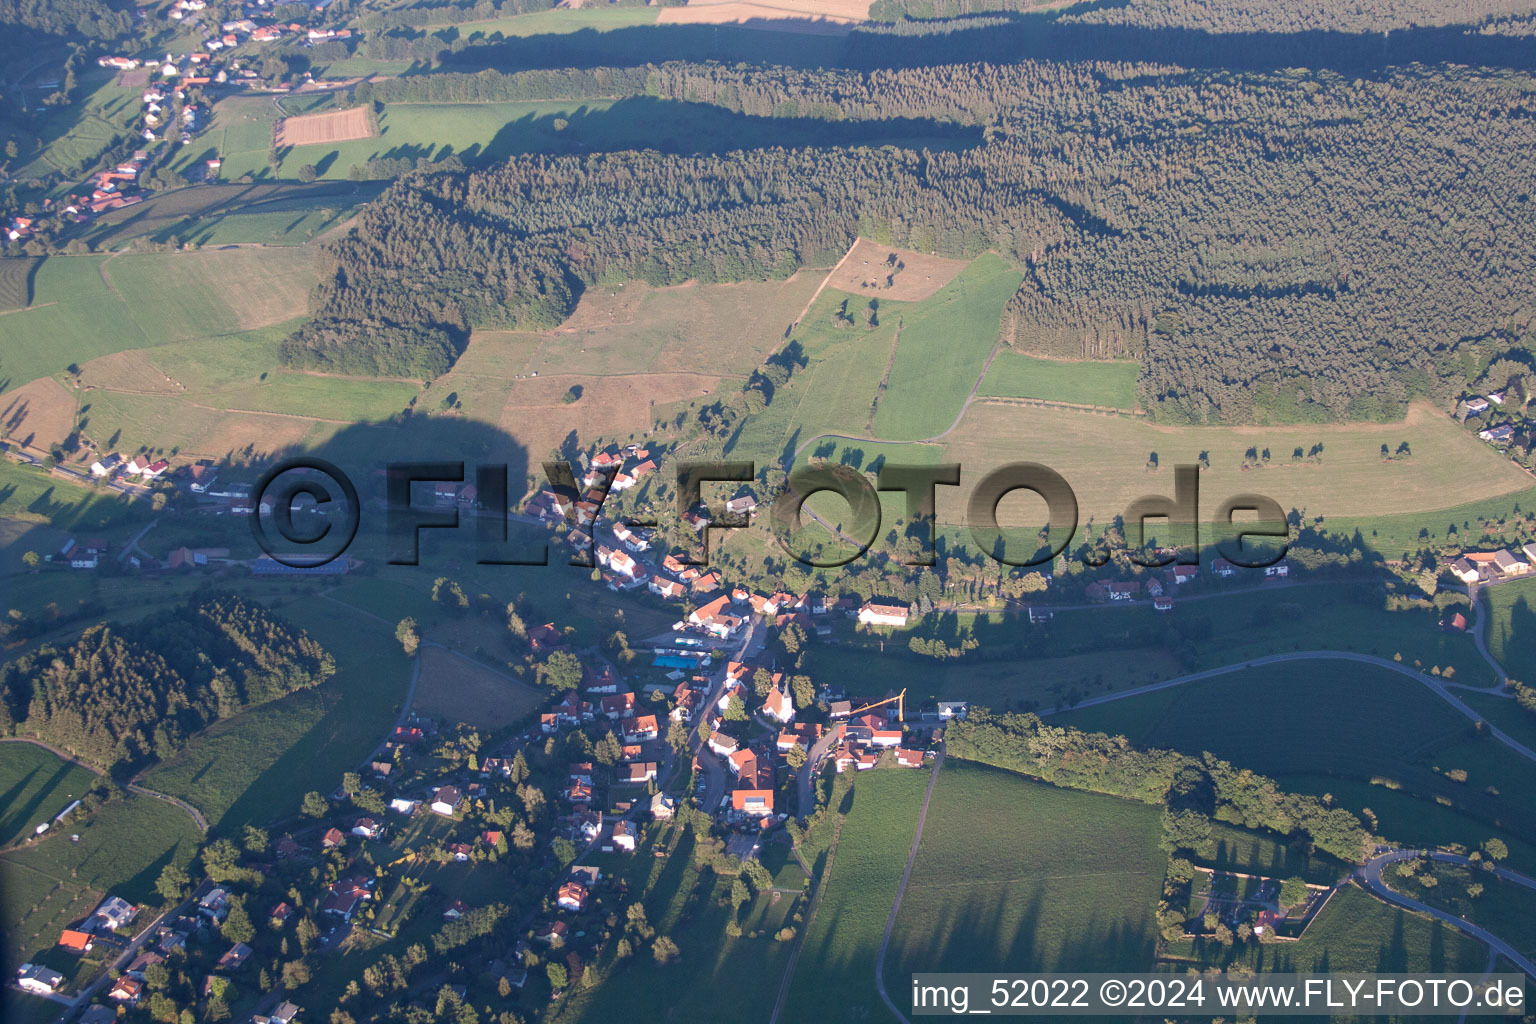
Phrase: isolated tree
(406, 633)
(307, 173)
(796, 757)
(735, 709)
(1293, 891)
(561, 671)
(762, 682)
(1496, 849)
(557, 975)
(664, 950)
(315, 805)
(30, 559)
(172, 883)
(677, 736)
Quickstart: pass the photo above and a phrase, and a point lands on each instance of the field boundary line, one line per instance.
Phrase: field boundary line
(817, 293)
(901, 889)
(810, 918)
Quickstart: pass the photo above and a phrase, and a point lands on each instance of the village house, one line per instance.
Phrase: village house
(625, 835)
(446, 801)
(333, 838)
(872, 614)
(235, 957)
(38, 980)
(554, 931)
(366, 827)
(344, 897)
(112, 913)
(872, 729)
(76, 942)
(1465, 571)
(663, 807)
(572, 896)
(640, 729)
(640, 771)
(127, 991)
(722, 745)
(105, 467)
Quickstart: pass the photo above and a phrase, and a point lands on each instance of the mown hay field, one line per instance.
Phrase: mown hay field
(322, 129)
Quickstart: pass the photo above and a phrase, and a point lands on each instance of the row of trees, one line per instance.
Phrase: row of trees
(1192, 790)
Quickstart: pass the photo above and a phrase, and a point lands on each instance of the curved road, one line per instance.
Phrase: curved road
(1370, 876)
(1435, 685)
(132, 786)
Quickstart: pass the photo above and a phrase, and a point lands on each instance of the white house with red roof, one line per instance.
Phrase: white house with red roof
(873, 614)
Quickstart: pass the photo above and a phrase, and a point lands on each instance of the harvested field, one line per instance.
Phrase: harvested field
(609, 406)
(799, 18)
(717, 11)
(865, 269)
(320, 129)
(458, 689)
(40, 413)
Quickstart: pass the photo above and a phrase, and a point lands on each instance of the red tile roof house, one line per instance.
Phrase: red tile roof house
(552, 931)
(345, 896)
(76, 942)
(236, 956)
(872, 729)
(638, 730)
(333, 838)
(752, 801)
(883, 614)
(909, 758)
(618, 705)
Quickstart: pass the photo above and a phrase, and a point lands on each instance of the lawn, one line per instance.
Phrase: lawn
(555, 22)
(257, 766)
(1511, 611)
(1088, 382)
(835, 976)
(456, 688)
(35, 785)
(283, 214)
(74, 137)
(1254, 853)
(1016, 875)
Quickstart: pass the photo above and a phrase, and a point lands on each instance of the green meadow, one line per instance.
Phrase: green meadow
(1511, 611)
(1017, 875)
(1088, 382)
(35, 785)
(1334, 728)
(835, 975)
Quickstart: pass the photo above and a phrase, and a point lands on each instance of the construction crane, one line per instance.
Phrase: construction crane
(901, 710)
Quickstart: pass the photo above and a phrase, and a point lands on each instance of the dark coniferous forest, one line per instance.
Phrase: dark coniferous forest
(1276, 245)
(122, 695)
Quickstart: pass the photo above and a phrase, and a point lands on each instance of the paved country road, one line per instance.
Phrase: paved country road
(1369, 875)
